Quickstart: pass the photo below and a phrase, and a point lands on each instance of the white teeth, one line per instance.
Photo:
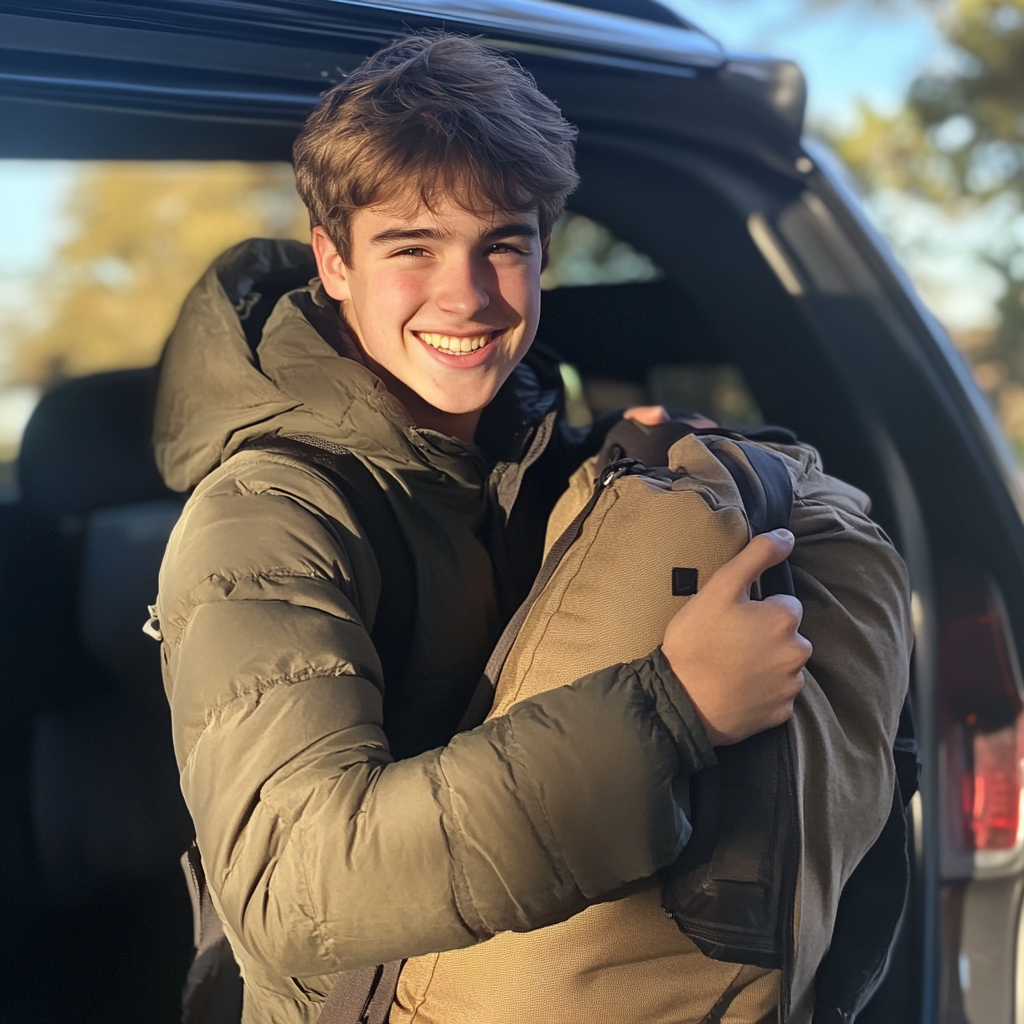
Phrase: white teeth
(447, 343)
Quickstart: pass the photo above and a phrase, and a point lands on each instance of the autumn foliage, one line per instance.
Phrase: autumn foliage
(143, 233)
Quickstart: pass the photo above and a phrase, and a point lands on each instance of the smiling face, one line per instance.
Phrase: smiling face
(443, 303)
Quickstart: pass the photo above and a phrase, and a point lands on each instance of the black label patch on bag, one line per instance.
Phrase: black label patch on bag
(684, 582)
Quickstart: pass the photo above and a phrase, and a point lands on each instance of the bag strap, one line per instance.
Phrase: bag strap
(213, 984)
(769, 506)
(396, 607)
(364, 996)
(872, 900)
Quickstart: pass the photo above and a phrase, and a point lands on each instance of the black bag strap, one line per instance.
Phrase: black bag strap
(396, 608)
(362, 997)
(213, 984)
(769, 506)
(213, 991)
(871, 904)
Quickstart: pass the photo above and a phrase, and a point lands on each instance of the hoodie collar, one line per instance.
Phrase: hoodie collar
(216, 391)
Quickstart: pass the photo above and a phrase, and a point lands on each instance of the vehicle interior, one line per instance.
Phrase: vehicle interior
(773, 304)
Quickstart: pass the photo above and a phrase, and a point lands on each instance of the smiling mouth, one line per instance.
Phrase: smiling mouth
(456, 345)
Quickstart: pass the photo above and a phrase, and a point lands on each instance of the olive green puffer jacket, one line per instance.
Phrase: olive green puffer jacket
(322, 851)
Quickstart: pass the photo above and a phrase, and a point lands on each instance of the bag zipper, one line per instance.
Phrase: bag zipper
(612, 472)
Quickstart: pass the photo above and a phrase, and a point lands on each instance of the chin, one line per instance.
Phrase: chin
(460, 408)
(461, 405)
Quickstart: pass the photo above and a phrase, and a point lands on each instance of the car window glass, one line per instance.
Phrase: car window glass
(584, 253)
(93, 273)
(716, 390)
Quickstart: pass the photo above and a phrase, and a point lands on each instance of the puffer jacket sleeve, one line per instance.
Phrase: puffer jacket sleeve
(321, 852)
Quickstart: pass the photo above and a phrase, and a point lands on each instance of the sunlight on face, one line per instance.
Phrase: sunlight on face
(443, 303)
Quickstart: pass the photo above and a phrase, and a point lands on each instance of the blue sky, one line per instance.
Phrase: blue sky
(849, 51)
(31, 195)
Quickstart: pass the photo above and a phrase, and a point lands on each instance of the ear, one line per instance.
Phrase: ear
(333, 272)
(544, 252)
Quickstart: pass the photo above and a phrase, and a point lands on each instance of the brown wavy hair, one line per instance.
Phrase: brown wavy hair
(434, 116)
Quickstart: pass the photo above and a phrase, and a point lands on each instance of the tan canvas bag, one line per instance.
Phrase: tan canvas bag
(605, 596)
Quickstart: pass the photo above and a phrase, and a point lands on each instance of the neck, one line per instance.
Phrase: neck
(423, 414)
(461, 425)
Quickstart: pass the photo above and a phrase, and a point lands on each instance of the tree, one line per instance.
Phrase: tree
(143, 233)
(958, 143)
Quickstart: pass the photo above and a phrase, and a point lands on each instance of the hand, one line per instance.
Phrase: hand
(652, 415)
(740, 661)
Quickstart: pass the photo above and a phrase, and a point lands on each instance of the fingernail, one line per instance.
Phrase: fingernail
(783, 535)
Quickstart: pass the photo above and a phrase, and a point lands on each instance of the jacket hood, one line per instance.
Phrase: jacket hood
(257, 351)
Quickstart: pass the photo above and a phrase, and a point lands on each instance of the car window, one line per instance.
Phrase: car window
(97, 257)
(716, 390)
(584, 254)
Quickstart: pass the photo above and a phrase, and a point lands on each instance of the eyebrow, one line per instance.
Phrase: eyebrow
(524, 230)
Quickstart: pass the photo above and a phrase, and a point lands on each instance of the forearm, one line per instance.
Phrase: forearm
(322, 853)
(330, 857)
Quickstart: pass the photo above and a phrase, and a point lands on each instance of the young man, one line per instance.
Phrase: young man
(342, 822)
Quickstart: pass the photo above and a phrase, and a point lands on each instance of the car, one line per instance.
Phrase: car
(772, 278)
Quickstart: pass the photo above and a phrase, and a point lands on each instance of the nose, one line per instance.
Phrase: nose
(462, 287)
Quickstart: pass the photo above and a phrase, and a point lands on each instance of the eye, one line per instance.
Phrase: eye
(502, 248)
(412, 250)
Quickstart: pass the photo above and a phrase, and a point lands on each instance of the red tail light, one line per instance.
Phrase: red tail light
(982, 714)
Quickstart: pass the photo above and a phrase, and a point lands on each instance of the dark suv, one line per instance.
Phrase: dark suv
(771, 276)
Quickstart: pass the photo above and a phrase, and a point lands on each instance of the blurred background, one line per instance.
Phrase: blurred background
(922, 99)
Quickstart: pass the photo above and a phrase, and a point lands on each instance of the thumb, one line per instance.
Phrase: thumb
(733, 580)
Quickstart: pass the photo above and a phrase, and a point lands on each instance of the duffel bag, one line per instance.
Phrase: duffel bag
(739, 929)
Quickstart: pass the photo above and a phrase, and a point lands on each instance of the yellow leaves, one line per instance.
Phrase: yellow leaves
(990, 37)
(990, 30)
(959, 143)
(896, 152)
(145, 233)
(1011, 415)
(583, 252)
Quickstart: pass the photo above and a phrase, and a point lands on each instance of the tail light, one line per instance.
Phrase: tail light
(982, 714)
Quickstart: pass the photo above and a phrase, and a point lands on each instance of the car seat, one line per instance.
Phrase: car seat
(96, 918)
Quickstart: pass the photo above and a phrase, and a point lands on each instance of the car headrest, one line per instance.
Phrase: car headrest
(620, 330)
(122, 549)
(87, 446)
